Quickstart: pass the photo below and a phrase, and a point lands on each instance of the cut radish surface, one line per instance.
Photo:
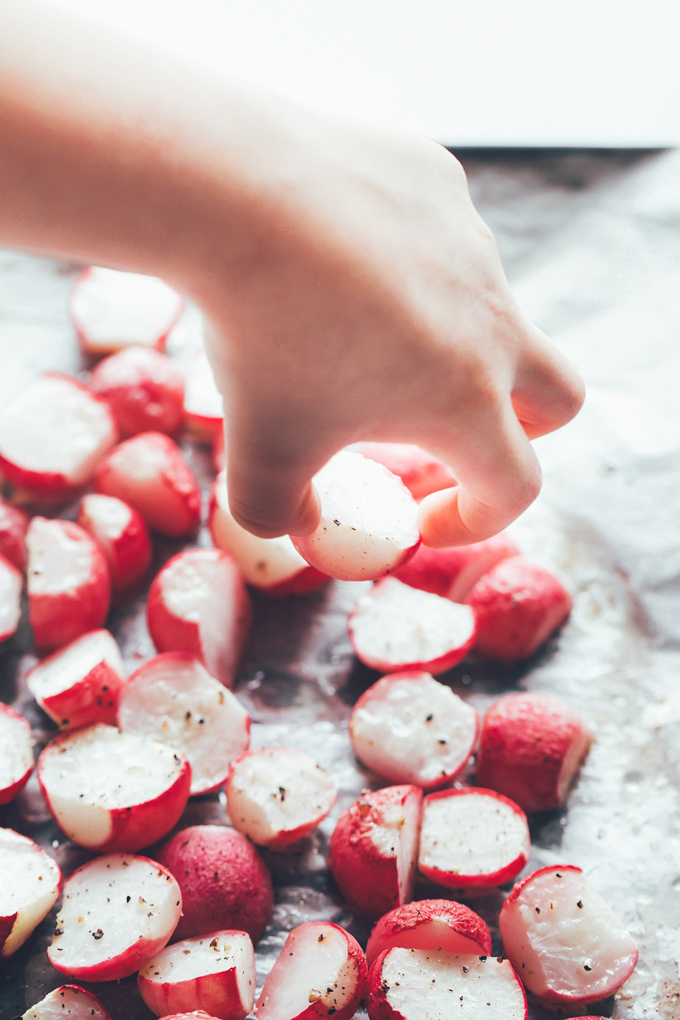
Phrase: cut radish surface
(374, 849)
(31, 883)
(11, 585)
(472, 839)
(79, 684)
(368, 523)
(118, 911)
(394, 627)
(111, 310)
(277, 795)
(16, 753)
(111, 790)
(198, 603)
(453, 571)
(215, 973)
(203, 408)
(416, 984)
(121, 534)
(565, 941)
(409, 728)
(67, 1001)
(144, 389)
(420, 472)
(13, 525)
(321, 972)
(172, 698)
(440, 926)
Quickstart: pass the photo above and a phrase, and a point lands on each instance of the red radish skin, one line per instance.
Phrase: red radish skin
(420, 472)
(320, 972)
(144, 389)
(531, 746)
(198, 603)
(121, 534)
(434, 925)
(518, 605)
(472, 839)
(452, 572)
(16, 753)
(224, 881)
(11, 585)
(203, 407)
(565, 941)
(69, 585)
(195, 1015)
(31, 885)
(67, 1001)
(13, 525)
(374, 849)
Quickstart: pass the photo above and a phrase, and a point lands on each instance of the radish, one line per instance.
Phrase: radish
(173, 699)
(113, 791)
(69, 586)
(67, 1001)
(277, 795)
(121, 534)
(394, 628)
(374, 848)
(454, 571)
(472, 839)
(272, 564)
(111, 310)
(215, 972)
(434, 925)
(409, 728)
(31, 884)
(224, 882)
(531, 747)
(195, 1015)
(53, 435)
(414, 984)
(13, 525)
(368, 523)
(118, 911)
(16, 753)
(518, 605)
(144, 389)
(320, 972)
(149, 472)
(79, 684)
(198, 603)
(420, 472)
(11, 585)
(203, 408)
(565, 941)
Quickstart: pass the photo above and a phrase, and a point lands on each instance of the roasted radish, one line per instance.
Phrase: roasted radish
(203, 408)
(16, 753)
(67, 1001)
(144, 389)
(31, 883)
(452, 572)
(121, 534)
(13, 525)
(435, 925)
(420, 472)
(11, 585)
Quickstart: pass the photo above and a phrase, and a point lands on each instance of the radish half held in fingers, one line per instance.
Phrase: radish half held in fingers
(320, 972)
(420, 472)
(416, 984)
(144, 389)
(79, 684)
(472, 839)
(277, 795)
(121, 534)
(13, 525)
(198, 603)
(531, 747)
(173, 699)
(394, 628)
(31, 883)
(409, 728)
(113, 791)
(435, 925)
(452, 572)
(368, 525)
(69, 585)
(11, 585)
(564, 940)
(215, 973)
(67, 1001)
(16, 753)
(203, 408)
(374, 849)
(118, 911)
(111, 310)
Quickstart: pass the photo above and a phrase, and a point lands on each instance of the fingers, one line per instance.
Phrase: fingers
(548, 391)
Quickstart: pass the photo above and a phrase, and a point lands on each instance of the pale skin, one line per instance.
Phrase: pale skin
(352, 290)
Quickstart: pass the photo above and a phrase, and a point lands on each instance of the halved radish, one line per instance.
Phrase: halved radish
(435, 925)
(452, 572)
(409, 728)
(144, 389)
(172, 698)
(111, 310)
(368, 525)
(320, 972)
(277, 795)
(11, 585)
(411, 984)
(67, 1001)
(472, 839)
(198, 603)
(531, 747)
(118, 911)
(203, 408)
(149, 472)
(31, 883)
(13, 525)
(215, 973)
(53, 435)
(271, 564)
(420, 472)
(565, 941)
(79, 684)
(394, 628)
(121, 534)
(113, 791)
(69, 586)
(16, 753)
(374, 848)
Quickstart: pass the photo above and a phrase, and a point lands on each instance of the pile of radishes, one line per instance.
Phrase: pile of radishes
(129, 751)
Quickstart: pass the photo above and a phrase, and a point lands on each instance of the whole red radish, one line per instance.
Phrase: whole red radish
(16, 753)
(31, 884)
(435, 925)
(13, 525)
(452, 572)
(67, 1001)
(144, 389)
(11, 585)
(420, 472)
(121, 534)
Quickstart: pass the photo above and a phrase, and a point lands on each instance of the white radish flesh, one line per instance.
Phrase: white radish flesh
(11, 584)
(67, 1001)
(203, 408)
(31, 883)
(16, 753)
